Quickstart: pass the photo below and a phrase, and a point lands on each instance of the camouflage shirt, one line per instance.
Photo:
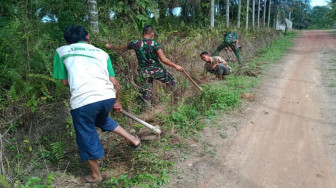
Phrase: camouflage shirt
(230, 37)
(145, 50)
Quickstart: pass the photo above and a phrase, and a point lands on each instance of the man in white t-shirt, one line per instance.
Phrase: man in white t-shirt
(88, 72)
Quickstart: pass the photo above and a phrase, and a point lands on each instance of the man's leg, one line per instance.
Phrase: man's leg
(236, 51)
(220, 48)
(130, 138)
(221, 70)
(95, 174)
(145, 82)
(106, 123)
(89, 146)
(165, 77)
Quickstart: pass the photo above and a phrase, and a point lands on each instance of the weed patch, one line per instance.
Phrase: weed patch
(150, 167)
(186, 118)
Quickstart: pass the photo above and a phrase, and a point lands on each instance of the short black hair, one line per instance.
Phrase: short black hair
(74, 34)
(204, 53)
(148, 29)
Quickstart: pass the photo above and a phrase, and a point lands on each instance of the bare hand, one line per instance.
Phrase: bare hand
(214, 67)
(117, 107)
(179, 68)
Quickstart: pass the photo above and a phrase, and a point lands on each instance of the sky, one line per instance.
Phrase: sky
(318, 3)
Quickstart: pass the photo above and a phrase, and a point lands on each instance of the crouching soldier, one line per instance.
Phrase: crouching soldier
(215, 65)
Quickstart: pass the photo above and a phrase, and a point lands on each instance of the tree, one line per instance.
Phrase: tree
(212, 13)
(320, 17)
(269, 13)
(93, 15)
(239, 13)
(332, 12)
(258, 21)
(247, 14)
(300, 12)
(227, 13)
(264, 13)
(253, 12)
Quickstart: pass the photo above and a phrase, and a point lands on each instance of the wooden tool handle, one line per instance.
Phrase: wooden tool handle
(192, 81)
(156, 130)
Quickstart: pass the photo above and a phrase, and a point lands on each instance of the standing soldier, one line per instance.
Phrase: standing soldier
(230, 41)
(148, 53)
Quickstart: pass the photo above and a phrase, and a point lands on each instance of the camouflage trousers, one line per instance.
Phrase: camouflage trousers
(232, 45)
(147, 76)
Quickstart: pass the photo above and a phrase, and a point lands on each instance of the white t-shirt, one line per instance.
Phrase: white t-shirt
(87, 70)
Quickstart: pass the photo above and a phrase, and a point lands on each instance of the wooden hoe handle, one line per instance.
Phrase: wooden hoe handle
(192, 81)
(156, 130)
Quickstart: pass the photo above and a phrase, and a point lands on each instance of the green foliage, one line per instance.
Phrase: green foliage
(320, 19)
(57, 150)
(143, 180)
(4, 182)
(223, 135)
(26, 84)
(69, 127)
(36, 182)
(214, 97)
(149, 162)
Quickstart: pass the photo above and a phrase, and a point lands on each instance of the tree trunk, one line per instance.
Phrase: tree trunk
(269, 14)
(247, 14)
(227, 13)
(212, 13)
(239, 12)
(289, 16)
(258, 14)
(264, 16)
(93, 15)
(253, 12)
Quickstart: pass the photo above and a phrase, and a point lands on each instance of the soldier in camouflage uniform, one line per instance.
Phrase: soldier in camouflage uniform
(148, 53)
(230, 41)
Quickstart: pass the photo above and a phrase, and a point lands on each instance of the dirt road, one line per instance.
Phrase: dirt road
(285, 139)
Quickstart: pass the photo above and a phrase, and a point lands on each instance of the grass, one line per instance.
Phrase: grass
(332, 85)
(187, 120)
(151, 166)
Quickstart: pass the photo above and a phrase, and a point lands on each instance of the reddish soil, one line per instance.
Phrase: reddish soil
(286, 138)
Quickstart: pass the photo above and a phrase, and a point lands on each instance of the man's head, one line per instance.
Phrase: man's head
(148, 30)
(74, 34)
(205, 56)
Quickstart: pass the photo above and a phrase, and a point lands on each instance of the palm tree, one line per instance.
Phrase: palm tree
(212, 13)
(247, 14)
(269, 14)
(258, 13)
(227, 12)
(93, 15)
(264, 16)
(253, 12)
(239, 12)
